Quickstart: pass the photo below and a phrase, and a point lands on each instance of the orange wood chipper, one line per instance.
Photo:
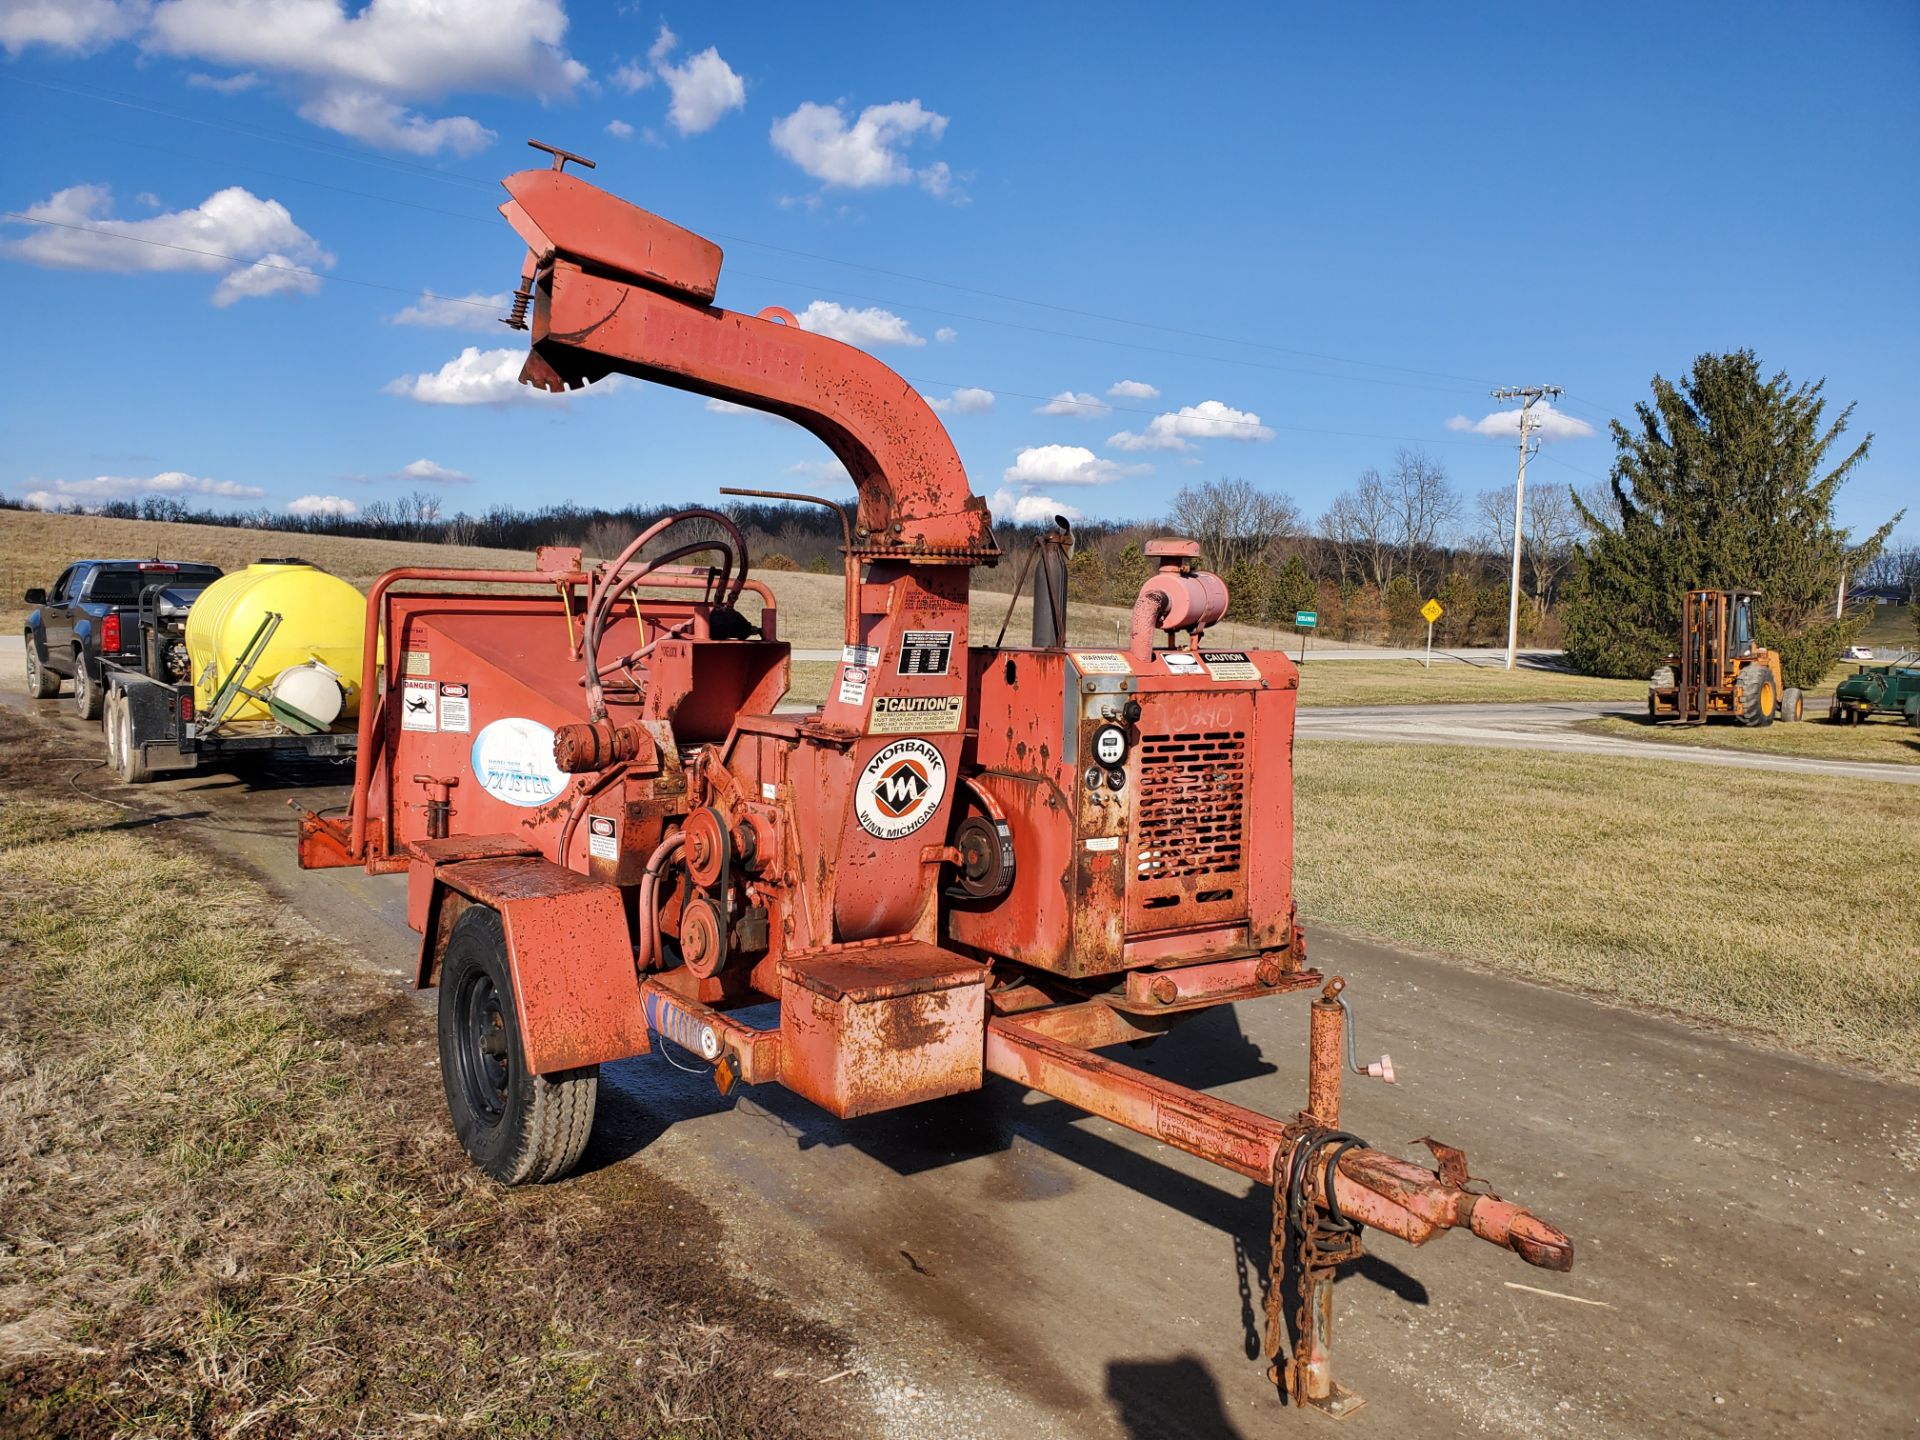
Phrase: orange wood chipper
(969, 861)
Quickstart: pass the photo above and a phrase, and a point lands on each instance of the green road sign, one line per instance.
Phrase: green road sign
(1306, 619)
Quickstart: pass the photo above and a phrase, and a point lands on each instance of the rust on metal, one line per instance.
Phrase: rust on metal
(967, 861)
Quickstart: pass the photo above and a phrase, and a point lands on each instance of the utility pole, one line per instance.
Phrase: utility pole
(1526, 395)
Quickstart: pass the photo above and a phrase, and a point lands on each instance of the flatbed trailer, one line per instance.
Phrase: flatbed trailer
(152, 728)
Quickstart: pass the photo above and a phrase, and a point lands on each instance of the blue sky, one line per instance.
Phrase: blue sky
(1305, 235)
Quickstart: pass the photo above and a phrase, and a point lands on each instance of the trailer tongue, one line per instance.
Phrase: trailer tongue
(969, 860)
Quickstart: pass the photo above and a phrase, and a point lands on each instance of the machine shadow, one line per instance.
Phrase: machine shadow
(640, 1099)
(1175, 1399)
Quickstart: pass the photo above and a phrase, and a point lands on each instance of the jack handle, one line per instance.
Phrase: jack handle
(1381, 1069)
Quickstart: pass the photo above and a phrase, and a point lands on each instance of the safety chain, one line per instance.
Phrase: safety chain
(1320, 1236)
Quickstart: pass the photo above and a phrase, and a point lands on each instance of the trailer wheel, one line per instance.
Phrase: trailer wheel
(518, 1127)
(128, 758)
(86, 689)
(1793, 704)
(42, 683)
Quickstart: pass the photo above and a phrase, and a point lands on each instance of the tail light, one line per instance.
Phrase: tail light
(186, 706)
(110, 634)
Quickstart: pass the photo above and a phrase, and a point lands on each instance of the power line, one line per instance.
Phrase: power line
(486, 184)
(244, 263)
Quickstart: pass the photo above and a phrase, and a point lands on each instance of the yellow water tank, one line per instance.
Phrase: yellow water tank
(322, 622)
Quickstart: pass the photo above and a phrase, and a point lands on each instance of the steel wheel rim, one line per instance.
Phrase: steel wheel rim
(482, 1049)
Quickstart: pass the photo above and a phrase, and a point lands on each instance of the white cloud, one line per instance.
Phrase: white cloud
(269, 275)
(254, 243)
(431, 472)
(704, 88)
(1028, 508)
(122, 487)
(473, 377)
(745, 412)
(76, 26)
(1064, 465)
(352, 67)
(366, 115)
(333, 506)
(1544, 421)
(620, 129)
(633, 76)
(824, 472)
(866, 153)
(867, 328)
(946, 334)
(472, 311)
(967, 400)
(1209, 420)
(1132, 390)
(1080, 405)
(224, 84)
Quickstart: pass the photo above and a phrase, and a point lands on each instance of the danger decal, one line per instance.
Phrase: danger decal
(900, 789)
(419, 705)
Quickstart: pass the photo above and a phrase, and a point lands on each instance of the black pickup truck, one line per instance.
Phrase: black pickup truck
(95, 613)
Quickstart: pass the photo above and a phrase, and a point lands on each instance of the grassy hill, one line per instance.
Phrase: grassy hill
(35, 547)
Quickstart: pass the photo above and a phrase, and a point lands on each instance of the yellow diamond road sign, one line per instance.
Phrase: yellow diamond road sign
(1432, 611)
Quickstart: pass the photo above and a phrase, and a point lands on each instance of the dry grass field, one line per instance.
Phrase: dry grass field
(1731, 905)
(232, 1203)
(35, 547)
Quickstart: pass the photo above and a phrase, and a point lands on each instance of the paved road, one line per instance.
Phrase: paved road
(1539, 725)
(1748, 1224)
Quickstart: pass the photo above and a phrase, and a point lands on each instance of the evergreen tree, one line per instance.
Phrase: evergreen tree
(1719, 485)
(1293, 590)
(1127, 574)
(1247, 585)
(1404, 624)
(1087, 576)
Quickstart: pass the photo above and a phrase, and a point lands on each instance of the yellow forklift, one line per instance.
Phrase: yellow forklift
(1719, 670)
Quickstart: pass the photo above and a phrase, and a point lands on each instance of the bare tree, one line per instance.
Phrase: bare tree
(1552, 526)
(1359, 524)
(1424, 505)
(1391, 524)
(1233, 520)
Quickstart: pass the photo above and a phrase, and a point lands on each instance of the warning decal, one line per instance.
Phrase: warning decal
(1101, 662)
(925, 652)
(900, 789)
(603, 837)
(1230, 665)
(853, 684)
(416, 662)
(1179, 662)
(456, 713)
(419, 705)
(916, 714)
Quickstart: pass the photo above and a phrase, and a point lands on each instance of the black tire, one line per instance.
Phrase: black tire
(1793, 704)
(1757, 700)
(86, 689)
(42, 683)
(520, 1128)
(128, 760)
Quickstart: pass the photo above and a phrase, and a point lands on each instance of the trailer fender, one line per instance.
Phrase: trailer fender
(569, 951)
